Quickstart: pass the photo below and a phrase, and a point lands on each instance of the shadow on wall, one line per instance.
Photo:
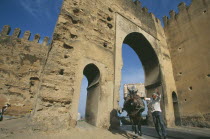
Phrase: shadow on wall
(176, 109)
(147, 55)
(114, 120)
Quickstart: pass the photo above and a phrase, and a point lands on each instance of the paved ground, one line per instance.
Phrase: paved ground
(173, 133)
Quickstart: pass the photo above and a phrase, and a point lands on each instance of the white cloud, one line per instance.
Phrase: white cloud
(37, 8)
(28, 6)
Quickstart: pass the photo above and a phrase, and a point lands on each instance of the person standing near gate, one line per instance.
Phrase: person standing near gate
(156, 111)
(4, 108)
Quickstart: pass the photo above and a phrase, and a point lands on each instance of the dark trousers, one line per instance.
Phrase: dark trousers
(159, 124)
(1, 116)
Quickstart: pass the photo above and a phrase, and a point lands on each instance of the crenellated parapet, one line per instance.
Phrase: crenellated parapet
(139, 15)
(137, 3)
(21, 64)
(16, 34)
(186, 13)
(140, 12)
(187, 35)
(144, 10)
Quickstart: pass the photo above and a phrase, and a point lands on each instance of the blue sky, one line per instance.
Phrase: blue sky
(162, 7)
(40, 16)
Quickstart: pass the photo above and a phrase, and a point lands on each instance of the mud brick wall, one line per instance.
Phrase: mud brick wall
(21, 64)
(189, 43)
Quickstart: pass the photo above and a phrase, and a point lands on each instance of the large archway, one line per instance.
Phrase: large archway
(148, 57)
(132, 74)
(152, 50)
(92, 73)
(149, 60)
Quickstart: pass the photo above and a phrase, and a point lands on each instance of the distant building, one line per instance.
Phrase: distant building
(78, 116)
(139, 86)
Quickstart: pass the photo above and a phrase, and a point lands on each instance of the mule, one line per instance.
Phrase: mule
(134, 106)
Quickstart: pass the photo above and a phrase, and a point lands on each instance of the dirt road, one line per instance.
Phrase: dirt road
(18, 129)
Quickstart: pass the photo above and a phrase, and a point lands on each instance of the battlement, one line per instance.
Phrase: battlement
(145, 11)
(137, 7)
(16, 34)
(186, 11)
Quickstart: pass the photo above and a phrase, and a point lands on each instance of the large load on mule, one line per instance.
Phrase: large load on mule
(133, 98)
(138, 86)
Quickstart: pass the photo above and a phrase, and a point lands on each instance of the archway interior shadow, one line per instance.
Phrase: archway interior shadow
(176, 109)
(147, 56)
(150, 63)
(132, 71)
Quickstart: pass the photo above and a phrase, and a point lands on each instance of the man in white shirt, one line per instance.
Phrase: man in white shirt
(154, 103)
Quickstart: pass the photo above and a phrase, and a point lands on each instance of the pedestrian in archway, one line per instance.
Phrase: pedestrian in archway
(156, 111)
(4, 108)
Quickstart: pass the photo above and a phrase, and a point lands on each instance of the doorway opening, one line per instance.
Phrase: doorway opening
(141, 65)
(132, 73)
(147, 56)
(90, 90)
(176, 109)
(82, 100)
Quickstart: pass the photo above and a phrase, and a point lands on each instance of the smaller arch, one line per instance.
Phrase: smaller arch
(176, 109)
(174, 97)
(92, 73)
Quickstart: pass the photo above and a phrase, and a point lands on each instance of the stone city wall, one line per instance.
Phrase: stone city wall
(87, 41)
(85, 34)
(21, 64)
(189, 43)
